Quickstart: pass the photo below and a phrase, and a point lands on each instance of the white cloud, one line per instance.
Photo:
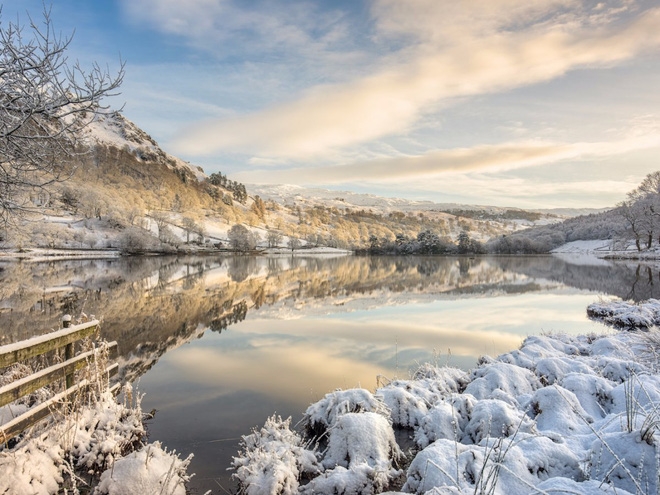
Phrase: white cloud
(478, 159)
(478, 51)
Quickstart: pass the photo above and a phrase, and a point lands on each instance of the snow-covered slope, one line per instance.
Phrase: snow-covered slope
(288, 194)
(116, 130)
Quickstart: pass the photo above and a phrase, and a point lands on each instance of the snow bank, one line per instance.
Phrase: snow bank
(623, 314)
(560, 414)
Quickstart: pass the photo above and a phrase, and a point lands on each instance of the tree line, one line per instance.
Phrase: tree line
(426, 242)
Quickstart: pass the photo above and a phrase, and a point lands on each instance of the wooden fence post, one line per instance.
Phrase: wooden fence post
(68, 350)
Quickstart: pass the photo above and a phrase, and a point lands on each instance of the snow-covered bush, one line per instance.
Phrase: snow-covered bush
(149, 470)
(448, 420)
(489, 381)
(406, 410)
(625, 461)
(360, 457)
(495, 418)
(361, 479)
(559, 411)
(106, 431)
(362, 438)
(324, 413)
(273, 459)
(625, 314)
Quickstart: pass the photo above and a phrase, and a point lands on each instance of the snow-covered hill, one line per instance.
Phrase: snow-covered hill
(290, 194)
(116, 130)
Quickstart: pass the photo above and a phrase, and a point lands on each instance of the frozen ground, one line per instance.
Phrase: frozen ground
(559, 415)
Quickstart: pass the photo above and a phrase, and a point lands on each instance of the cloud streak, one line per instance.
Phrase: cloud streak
(478, 159)
(480, 53)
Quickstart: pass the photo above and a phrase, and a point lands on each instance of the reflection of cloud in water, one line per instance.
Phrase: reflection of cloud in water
(293, 372)
(308, 358)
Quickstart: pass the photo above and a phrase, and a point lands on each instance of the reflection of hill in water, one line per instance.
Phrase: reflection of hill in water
(627, 280)
(150, 305)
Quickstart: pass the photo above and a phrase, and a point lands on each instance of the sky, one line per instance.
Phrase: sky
(524, 103)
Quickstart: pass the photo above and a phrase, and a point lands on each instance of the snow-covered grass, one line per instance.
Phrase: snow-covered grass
(94, 445)
(562, 414)
(624, 314)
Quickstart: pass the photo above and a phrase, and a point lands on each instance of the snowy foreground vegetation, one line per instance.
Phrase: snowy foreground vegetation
(577, 415)
(624, 314)
(101, 445)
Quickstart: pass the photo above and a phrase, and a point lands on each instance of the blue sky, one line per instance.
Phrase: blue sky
(530, 103)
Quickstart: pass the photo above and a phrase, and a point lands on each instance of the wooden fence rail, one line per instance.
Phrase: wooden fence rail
(65, 371)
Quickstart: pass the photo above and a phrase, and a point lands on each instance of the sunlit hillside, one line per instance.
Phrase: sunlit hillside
(125, 193)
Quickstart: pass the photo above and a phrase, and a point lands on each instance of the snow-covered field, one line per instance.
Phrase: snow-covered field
(584, 251)
(561, 414)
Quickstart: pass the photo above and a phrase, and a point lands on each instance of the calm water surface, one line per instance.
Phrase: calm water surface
(219, 344)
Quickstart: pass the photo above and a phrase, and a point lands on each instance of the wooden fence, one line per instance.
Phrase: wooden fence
(64, 371)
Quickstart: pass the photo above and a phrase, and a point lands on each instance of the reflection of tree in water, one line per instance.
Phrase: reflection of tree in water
(643, 286)
(194, 274)
(274, 266)
(241, 267)
(259, 296)
(464, 265)
(229, 314)
(626, 279)
(149, 317)
(428, 266)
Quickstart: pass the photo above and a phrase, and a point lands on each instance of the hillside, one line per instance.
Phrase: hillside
(125, 193)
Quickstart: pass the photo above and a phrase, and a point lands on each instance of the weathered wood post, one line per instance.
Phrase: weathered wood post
(68, 350)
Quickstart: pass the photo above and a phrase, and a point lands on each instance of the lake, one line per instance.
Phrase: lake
(218, 344)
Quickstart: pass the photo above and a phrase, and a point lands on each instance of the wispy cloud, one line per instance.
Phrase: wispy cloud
(478, 159)
(254, 30)
(471, 50)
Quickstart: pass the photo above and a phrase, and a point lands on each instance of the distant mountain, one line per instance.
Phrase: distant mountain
(290, 194)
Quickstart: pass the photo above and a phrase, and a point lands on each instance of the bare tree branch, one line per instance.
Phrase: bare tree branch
(45, 103)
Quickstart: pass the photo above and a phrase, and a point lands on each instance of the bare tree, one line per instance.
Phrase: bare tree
(162, 219)
(273, 238)
(241, 238)
(293, 243)
(630, 212)
(189, 227)
(45, 103)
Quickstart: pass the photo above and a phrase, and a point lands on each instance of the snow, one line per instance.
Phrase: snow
(116, 130)
(573, 414)
(96, 441)
(149, 470)
(585, 247)
(625, 314)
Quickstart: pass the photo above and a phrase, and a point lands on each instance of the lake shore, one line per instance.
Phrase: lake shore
(443, 303)
(573, 414)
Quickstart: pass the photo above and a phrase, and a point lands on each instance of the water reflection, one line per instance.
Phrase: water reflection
(221, 343)
(152, 304)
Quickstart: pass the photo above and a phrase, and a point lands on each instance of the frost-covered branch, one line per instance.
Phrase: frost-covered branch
(45, 103)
